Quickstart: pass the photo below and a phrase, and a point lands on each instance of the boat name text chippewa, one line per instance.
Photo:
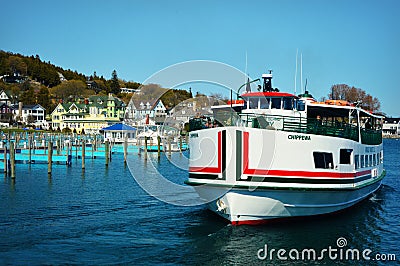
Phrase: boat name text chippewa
(299, 137)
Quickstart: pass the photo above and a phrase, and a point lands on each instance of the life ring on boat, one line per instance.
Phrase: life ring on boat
(221, 206)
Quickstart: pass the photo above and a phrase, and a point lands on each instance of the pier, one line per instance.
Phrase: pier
(24, 148)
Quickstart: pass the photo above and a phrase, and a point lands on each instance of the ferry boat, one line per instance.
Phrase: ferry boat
(276, 155)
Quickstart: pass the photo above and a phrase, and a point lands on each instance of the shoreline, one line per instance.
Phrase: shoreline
(391, 136)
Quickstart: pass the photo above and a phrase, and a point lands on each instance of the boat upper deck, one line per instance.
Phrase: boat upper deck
(274, 110)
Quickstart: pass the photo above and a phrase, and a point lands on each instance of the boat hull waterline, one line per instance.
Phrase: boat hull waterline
(247, 206)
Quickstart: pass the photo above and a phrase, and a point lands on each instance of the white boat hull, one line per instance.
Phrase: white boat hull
(244, 206)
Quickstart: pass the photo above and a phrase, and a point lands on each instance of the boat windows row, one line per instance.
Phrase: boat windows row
(285, 103)
(324, 160)
(368, 160)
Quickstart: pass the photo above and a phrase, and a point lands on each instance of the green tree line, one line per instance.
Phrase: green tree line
(36, 81)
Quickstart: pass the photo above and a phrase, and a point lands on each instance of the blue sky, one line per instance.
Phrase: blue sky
(355, 42)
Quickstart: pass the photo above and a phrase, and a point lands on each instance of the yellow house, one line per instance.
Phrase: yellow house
(93, 114)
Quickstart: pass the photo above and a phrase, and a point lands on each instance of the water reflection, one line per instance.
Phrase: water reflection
(225, 244)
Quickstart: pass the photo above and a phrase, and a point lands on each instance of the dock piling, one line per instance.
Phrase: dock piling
(5, 158)
(145, 147)
(29, 148)
(107, 151)
(125, 149)
(158, 147)
(49, 157)
(169, 146)
(12, 159)
(83, 153)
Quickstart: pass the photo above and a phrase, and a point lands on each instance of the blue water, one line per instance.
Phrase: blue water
(101, 216)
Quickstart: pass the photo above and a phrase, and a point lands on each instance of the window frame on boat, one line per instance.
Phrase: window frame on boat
(345, 156)
(323, 159)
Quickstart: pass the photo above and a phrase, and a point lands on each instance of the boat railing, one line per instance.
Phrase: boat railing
(304, 125)
(371, 136)
(299, 125)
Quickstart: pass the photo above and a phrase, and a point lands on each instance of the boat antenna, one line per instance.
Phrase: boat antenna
(245, 69)
(305, 87)
(295, 73)
(301, 71)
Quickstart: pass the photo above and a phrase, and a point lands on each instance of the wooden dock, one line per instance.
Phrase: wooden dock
(56, 148)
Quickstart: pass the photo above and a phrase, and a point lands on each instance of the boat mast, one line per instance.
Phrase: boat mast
(295, 74)
(301, 72)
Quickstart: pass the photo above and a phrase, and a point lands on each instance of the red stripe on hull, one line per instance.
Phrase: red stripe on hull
(206, 169)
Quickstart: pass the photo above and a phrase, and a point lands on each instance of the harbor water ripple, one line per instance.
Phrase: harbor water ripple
(102, 217)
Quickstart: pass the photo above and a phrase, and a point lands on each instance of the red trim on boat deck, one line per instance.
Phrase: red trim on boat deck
(291, 173)
(207, 169)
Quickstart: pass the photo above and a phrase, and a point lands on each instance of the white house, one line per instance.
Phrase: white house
(128, 90)
(5, 98)
(31, 114)
(155, 110)
(391, 126)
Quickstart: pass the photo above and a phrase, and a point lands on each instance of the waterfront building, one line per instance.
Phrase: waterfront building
(31, 114)
(89, 116)
(5, 114)
(128, 90)
(141, 112)
(391, 126)
(119, 132)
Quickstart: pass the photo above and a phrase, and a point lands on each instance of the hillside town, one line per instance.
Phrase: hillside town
(38, 95)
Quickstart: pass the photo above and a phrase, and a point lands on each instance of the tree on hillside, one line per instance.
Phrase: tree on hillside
(70, 75)
(132, 85)
(28, 97)
(101, 85)
(14, 92)
(16, 66)
(74, 88)
(149, 92)
(352, 94)
(173, 97)
(114, 85)
(43, 98)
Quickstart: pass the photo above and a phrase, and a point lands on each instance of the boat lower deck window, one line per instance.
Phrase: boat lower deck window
(323, 160)
(362, 161)
(345, 155)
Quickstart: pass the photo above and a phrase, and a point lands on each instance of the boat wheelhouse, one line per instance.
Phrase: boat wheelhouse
(277, 155)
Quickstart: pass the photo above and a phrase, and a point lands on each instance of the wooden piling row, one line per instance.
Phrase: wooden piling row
(48, 144)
